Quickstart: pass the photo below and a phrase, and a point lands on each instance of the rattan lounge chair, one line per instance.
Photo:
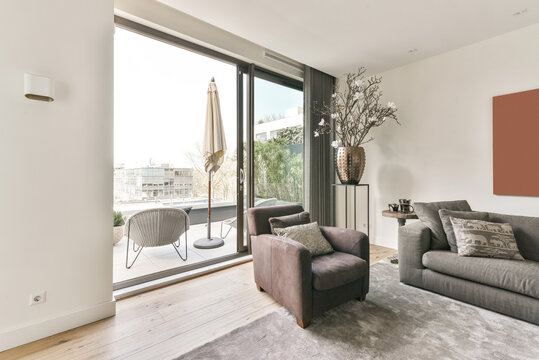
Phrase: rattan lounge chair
(156, 227)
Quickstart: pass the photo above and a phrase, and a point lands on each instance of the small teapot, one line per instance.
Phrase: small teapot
(393, 207)
(405, 206)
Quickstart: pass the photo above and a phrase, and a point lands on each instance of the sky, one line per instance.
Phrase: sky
(160, 95)
(273, 98)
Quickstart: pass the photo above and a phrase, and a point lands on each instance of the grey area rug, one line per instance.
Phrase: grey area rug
(396, 322)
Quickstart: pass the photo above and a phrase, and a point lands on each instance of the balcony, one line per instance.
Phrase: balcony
(156, 259)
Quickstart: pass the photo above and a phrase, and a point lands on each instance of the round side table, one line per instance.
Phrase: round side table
(400, 216)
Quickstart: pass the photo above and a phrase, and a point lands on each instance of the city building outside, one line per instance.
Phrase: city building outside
(152, 183)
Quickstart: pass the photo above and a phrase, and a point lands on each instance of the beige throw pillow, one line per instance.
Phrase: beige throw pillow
(485, 239)
(309, 235)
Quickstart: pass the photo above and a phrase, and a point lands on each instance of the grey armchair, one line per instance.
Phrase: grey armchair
(156, 227)
(305, 285)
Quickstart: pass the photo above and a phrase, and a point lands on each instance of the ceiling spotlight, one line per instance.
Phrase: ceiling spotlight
(520, 12)
(412, 50)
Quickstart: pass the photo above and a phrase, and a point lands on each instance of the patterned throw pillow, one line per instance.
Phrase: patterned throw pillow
(485, 239)
(310, 236)
(445, 216)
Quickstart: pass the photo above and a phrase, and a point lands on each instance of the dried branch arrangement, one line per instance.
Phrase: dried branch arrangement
(355, 110)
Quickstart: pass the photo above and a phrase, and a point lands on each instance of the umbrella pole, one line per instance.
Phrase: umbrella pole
(209, 205)
(209, 242)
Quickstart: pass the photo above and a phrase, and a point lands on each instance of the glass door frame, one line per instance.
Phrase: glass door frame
(278, 78)
(242, 173)
(261, 73)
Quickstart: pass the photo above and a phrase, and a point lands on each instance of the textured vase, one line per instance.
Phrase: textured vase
(350, 164)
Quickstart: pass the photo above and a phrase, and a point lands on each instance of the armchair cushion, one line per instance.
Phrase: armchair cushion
(337, 269)
(289, 220)
(309, 235)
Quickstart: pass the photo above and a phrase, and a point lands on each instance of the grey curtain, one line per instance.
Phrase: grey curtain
(318, 154)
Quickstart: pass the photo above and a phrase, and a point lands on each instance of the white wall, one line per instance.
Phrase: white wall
(443, 150)
(56, 162)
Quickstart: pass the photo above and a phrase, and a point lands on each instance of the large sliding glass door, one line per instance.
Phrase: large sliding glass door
(160, 107)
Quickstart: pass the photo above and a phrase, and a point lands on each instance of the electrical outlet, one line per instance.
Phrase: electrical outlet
(38, 298)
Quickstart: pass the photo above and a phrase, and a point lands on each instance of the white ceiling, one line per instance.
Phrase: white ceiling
(337, 36)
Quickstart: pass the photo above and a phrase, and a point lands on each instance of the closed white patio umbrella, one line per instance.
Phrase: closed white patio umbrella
(214, 154)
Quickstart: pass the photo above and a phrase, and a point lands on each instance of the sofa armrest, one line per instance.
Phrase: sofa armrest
(282, 268)
(414, 241)
(347, 241)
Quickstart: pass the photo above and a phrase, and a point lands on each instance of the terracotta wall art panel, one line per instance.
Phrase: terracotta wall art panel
(516, 143)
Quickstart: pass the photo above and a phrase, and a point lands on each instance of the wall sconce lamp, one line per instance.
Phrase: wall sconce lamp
(38, 88)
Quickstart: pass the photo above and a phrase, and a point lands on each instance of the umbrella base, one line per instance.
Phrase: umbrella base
(212, 243)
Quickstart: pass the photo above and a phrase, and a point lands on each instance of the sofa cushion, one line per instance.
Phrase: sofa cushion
(289, 220)
(337, 269)
(428, 214)
(485, 239)
(526, 230)
(518, 276)
(308, 235)
(448, 227)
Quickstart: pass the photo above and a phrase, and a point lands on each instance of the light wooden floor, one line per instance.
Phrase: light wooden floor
(164, 323)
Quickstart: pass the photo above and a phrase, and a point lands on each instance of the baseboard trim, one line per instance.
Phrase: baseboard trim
(390, 243)
(29, 332)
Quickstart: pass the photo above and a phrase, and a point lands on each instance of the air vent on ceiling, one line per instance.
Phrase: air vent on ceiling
(283, 60)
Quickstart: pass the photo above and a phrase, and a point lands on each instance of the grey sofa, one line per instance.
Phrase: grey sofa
(510, 287)
(307, 286)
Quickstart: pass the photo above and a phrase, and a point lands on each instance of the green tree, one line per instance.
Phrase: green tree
(292, 135)
(278, 168)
